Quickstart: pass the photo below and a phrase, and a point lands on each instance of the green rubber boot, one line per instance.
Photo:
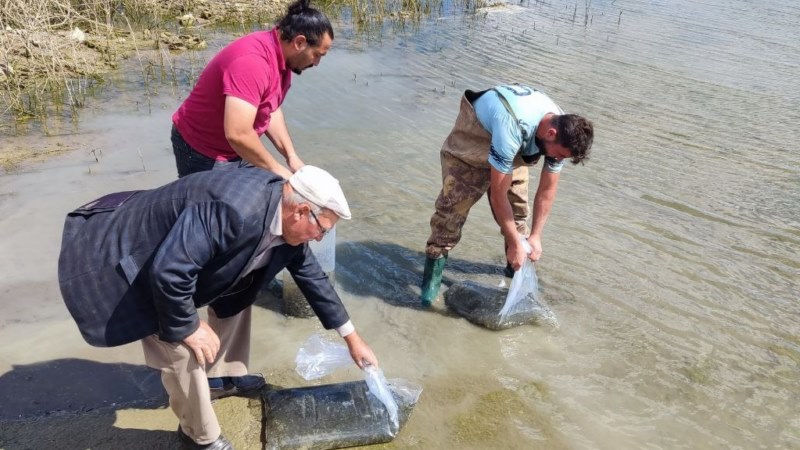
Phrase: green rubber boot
(431, 280)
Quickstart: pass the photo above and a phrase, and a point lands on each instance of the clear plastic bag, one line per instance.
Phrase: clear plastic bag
(319, 357)
(481, 304)
(523, 285)
(380, 388)
(406, 392)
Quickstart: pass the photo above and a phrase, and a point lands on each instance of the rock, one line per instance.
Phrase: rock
(481, 304)
(196, 43)
(181, 42)
(77, 35)
(186, 20)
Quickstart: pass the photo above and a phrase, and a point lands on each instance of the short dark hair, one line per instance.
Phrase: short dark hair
(302, 19)
(575, 133)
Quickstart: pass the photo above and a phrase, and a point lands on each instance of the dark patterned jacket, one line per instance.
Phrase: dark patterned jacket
(138, 263)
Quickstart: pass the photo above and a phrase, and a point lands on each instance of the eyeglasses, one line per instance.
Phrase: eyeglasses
(322, 230)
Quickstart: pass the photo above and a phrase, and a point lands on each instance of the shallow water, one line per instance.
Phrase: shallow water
(670, 258)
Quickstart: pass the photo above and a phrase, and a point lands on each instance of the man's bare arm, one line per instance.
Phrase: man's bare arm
(239, 117)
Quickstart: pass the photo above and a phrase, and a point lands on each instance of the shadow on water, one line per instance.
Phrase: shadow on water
(75, 397)
(387, 271)
(77, 385)
(393, 273)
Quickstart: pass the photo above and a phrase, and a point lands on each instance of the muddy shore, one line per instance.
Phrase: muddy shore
(90, 51)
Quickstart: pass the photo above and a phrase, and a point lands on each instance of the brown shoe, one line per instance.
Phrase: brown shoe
(188, 443)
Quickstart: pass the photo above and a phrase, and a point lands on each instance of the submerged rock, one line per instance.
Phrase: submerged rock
(481, 304)
(333, 416)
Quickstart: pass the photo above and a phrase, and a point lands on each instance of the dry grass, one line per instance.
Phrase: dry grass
(51, 49)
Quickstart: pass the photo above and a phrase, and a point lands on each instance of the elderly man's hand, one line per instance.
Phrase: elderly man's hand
(360, 351)
(204, 342)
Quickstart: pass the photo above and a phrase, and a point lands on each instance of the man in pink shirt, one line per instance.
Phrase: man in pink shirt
(239, 94)
(238, 98)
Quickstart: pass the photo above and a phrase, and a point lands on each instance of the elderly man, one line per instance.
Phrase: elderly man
(238, 96)
(138, 266)
(498, 133)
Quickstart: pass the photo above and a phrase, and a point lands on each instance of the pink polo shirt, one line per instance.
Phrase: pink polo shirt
(251, 68)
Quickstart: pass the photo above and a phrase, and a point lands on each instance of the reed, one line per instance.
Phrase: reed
(371, 17)
(44, 54)
(52, 52)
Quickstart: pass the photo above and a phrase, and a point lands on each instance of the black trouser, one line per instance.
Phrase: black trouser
(189, 160)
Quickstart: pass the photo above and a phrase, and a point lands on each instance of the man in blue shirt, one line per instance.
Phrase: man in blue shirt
(497, 135)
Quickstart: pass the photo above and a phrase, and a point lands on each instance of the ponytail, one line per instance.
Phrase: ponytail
(302, 19)
(298, 7)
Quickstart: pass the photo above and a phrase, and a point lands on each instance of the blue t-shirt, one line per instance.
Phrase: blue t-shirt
(530, 106)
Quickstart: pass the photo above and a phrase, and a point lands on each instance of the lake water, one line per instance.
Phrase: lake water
(671, 259)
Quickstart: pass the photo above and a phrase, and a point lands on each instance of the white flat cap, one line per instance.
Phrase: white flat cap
(320, 188)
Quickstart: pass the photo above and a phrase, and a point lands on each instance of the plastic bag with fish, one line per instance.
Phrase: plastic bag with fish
(319, 357)
(497, 308)
(334, 415)
(481, 304)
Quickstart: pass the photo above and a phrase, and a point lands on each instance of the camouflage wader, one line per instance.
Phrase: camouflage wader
(465, 178)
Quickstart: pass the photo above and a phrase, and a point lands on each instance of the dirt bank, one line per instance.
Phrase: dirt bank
(48, 56)
(35, 51)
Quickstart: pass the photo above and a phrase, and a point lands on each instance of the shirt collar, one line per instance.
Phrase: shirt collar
(276, 227)
(273, 237)
(276, 41)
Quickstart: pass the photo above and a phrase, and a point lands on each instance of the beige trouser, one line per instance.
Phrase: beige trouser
(186, 381)
(466, 175)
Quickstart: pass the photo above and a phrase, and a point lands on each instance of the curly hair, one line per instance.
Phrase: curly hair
(575, 133)
(302, 19)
